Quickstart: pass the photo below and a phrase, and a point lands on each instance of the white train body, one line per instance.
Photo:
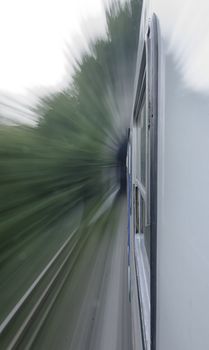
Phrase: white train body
(168, 162)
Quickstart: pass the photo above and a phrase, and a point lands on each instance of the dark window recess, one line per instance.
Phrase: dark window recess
(142, 215)
(143, 147)
(137, 210)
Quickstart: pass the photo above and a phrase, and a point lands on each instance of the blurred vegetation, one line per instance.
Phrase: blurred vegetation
(70, 155)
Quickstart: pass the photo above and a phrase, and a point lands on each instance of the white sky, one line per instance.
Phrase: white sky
(33, 37)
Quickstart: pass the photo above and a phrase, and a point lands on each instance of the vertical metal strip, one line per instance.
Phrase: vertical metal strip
(153, 83)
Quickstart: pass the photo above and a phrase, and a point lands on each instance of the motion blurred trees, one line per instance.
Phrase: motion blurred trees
(65, 159)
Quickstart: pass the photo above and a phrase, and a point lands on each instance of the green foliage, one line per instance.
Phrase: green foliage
(70, 155)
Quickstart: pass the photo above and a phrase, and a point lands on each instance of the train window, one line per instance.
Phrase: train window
(143, 145)
(142, 215)
(142, 170)
(137, 211)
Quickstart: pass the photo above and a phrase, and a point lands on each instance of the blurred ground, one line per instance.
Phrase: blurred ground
(87, 306)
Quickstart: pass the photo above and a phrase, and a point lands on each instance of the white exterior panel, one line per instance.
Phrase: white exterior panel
(183, 173)
(183, 186)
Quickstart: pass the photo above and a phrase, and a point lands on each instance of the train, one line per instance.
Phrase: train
(168, 179)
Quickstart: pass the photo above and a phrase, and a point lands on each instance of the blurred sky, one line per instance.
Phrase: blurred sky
(188, 40)
(33, 37)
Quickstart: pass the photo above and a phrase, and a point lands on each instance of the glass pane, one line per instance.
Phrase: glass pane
(144, 229)
(147, 241)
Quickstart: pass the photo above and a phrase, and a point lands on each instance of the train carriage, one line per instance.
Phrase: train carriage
(168, 178)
